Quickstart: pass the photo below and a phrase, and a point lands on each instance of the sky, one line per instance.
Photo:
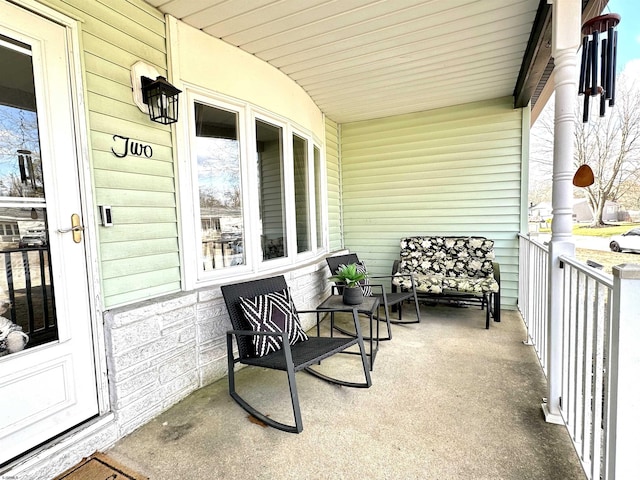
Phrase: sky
(628, 30)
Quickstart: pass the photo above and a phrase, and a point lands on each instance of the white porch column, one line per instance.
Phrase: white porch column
(566, 35)
(624, 420)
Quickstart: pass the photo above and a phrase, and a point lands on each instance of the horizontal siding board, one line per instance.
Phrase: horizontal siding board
(121, 250)
(114, 125)
(131, 181)
(112, 54)
(142, 283)
(122, 30)
(138, 233)
(136, 215)
(150, 166)
(427, 178)
(131, 198)
(137, 265)
(106, 89)
(112, 11)
(152, 49)
(149, 292)
(453, 171)
(113, 111)
(120, 74)
(467, 113)
(438, 136)
(416, 154)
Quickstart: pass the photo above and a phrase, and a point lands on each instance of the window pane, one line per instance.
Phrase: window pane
(20, 162)
(318, 182)
(300, 177)
(219, 182)
(271, 190)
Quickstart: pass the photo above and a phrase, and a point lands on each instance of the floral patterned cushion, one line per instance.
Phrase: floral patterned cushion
(439, 263)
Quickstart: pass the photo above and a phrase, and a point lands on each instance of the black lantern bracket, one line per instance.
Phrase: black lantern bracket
(158, 98)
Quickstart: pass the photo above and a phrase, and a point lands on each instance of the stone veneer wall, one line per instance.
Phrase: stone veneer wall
(161, 350)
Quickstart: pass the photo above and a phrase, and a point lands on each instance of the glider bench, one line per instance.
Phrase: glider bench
(452, 268)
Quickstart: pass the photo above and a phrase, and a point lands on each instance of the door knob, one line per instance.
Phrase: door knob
(76, 228)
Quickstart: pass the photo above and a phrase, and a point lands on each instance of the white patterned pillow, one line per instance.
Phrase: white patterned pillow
(272, 312)
(364, 284)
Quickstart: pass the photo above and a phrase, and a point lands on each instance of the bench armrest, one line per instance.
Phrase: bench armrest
(496, 271)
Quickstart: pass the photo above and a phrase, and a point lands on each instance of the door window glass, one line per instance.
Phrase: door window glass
(26, 291)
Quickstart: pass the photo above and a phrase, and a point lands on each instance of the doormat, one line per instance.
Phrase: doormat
(100, 467)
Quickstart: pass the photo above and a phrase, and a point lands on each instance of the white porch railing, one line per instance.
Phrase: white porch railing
(594, 319)
(533, 290)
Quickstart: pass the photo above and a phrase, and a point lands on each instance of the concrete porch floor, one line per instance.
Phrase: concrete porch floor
(450, 400)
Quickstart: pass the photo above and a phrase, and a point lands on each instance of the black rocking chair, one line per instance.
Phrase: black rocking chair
(388, 300)
(290, 358)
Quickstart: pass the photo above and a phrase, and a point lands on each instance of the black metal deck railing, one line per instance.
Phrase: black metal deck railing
(29, 284)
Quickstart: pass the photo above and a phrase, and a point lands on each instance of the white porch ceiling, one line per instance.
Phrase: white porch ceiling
(363, 59)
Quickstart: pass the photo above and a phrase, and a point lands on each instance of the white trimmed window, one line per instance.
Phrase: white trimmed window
(255, 183)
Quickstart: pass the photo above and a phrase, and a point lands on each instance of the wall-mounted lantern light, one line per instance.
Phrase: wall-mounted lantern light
(162, 99)
(157, 98)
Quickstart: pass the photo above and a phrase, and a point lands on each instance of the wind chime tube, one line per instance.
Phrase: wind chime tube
(604, 67)
(604, 76)
(587, 93)
(610, 60)
(585, 111)
(594, 62)
(583, 65)
(612, 101)
(22, 168)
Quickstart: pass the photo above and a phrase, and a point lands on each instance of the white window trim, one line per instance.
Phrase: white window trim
(188, 192)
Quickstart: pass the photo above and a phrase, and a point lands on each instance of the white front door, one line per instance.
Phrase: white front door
(49, 386)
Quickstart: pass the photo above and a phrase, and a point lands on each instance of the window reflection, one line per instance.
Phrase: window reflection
(26, 293)
(26, 289)
(271, 193)
(300, 176)
(318, 192)
(219, 182)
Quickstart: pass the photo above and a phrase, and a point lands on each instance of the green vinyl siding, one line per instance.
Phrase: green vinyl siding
(332, 155)
(451, 171)
(139, 255)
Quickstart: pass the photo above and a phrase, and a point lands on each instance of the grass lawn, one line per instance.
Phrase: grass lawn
(605, 258)
(586, 230)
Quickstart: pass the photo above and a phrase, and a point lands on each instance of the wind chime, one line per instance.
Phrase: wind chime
(26, 164)
(597, 74)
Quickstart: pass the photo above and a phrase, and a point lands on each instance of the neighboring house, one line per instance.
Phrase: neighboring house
(582, 212)
(137, 245)
(540, 213)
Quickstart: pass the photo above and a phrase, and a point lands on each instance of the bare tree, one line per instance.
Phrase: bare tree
(610, 145)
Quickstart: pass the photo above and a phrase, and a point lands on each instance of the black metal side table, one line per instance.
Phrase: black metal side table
(368, 307)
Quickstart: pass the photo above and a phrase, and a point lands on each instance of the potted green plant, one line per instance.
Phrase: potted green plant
(349, 277)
